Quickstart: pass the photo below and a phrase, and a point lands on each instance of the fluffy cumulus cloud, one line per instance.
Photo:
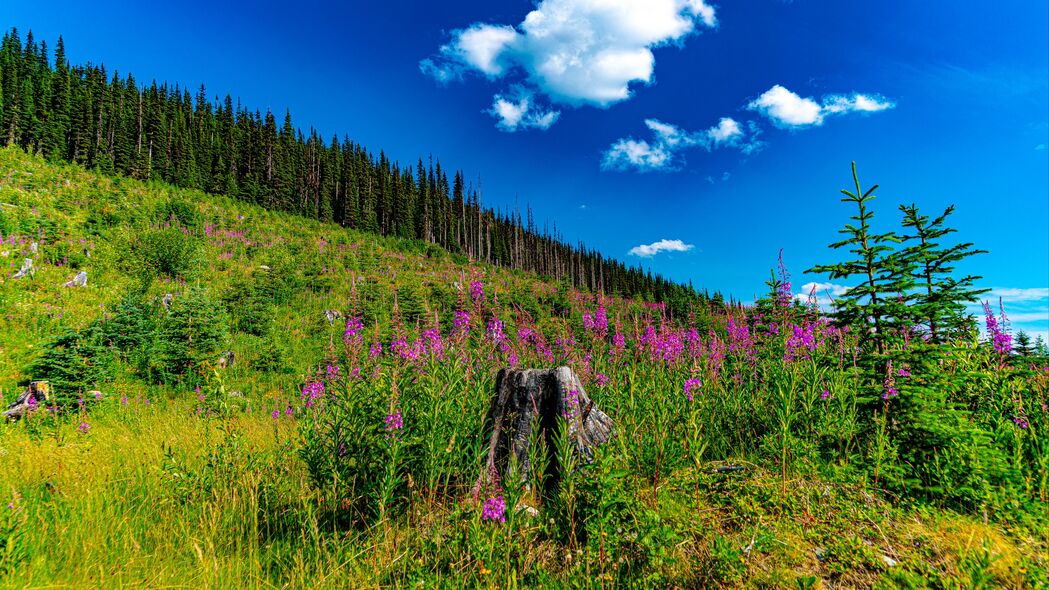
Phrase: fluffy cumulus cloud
(787, 109)
(663, 151)
(824, 293)
(573, 52)
(650, 250)
(518, 111)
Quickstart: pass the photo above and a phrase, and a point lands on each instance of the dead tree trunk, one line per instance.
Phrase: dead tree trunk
(539, 397)
(37, 395)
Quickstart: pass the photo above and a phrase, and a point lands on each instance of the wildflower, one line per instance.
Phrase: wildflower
(495, 330)
(692, 387)
(461, 323)
(785, 293)
(375, 351)
(332, 372)
(32, 403)
(394, 423)
(571, 405)
(83, 428)
(288, 411)
(98, 396)
(123, 400)
(1021, 422)
(354, 333)
(602, 380)
(494, 509)
(276, 414)
(311, 391)
(999, 335)
(826, 395)
(477, 291)
(903, 372)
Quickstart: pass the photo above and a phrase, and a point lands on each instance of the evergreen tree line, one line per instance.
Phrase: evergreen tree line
(111, 123)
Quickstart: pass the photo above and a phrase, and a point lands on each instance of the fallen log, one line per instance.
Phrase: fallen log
(527, 397)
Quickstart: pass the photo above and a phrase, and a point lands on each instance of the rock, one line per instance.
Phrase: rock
(226, 359)
(34, 247)
(80, 280)
(544, 396)
(236, 394)
(35, 397)
(263, 267)
(890, 562)
(166, 300)
(26, 270)
(331, 315)
(821, 553)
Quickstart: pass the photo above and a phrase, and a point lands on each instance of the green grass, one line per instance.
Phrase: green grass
(187, 492)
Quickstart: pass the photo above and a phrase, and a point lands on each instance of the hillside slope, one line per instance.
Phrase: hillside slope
(750, 449)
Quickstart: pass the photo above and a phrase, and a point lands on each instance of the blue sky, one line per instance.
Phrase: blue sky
(697, 138)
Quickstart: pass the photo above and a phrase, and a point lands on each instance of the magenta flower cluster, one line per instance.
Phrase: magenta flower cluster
(311, 392)
(692, 387)
(494, 509)
(998, 333)
(477, 291)
(394, 423)
(354, 333)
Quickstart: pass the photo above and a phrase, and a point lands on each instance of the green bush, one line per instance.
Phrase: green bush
(191, 335)
(74, 362)
(167, 252)
(179, 212)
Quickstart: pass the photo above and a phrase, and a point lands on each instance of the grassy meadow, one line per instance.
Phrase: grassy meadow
(755, 446)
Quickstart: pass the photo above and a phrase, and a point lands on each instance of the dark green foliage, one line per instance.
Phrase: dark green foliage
(166, 252)
(345, 448)
(271, 357)
(250, 310)
(74, 362)
(874, 305)
(939, 304)
(410, 304)
(190, 336)
(160, 132)
(178, 213)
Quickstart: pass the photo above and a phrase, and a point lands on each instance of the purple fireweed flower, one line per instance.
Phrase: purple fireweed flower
(785, 293)
(692, 387)
(83, 428)
(32, 403)
(461, 323)
(98, 396)
(434, 342)
(494, 509)
(123, 400)
(311, 392)
(495, 330)
(826, 395)
(998, 333)
(801, 343)
(571, 405)
(903, 372)
(602, 380)
(276, 414)
(889, 393)
(288, 411)
(332, 372)
(375, 351)
(596, 322)
(354, 333)
(1020, 422)
(394, 423)
(476, 291)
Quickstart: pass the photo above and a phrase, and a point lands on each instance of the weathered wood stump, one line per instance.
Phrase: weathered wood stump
(36, 396)
(524, 397)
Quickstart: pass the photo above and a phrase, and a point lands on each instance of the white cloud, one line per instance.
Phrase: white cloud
(1039, 147)
(1017, 295)
(825, 293)
(520, 112)
(650, 250)
(786, 109)
(574, 52)
(668, 141)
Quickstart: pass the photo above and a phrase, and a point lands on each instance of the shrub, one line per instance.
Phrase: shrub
(190, 336)
(74, 362)
(167, 252)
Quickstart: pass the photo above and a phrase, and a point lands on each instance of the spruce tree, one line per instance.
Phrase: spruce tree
(940, 303)
(879, 300)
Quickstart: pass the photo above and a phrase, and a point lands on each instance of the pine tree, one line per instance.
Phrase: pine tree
(879, 300)
(940, 303)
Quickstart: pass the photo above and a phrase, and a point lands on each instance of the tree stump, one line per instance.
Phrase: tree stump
(540, 396)
(40, 394)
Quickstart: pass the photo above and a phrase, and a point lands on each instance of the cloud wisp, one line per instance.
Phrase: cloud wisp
(571, 52)
(790, 111)
(664, 151)
(650, 250)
